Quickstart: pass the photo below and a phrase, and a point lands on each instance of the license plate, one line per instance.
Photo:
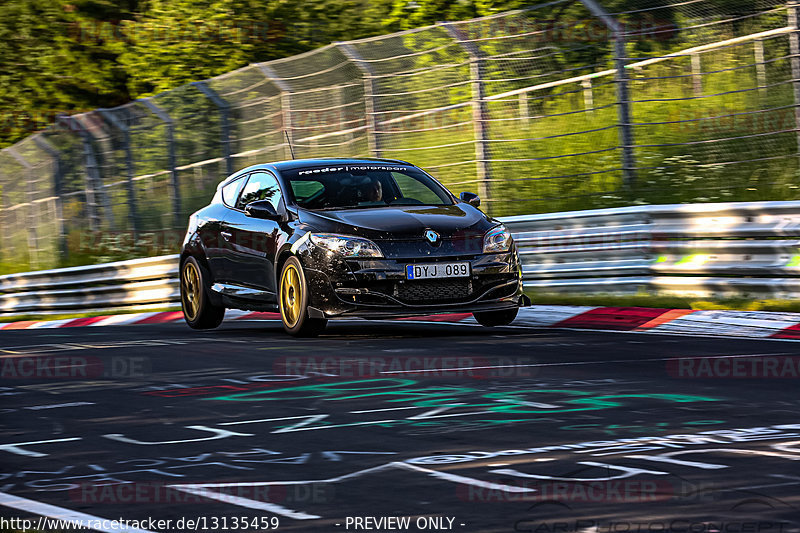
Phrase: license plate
(437, 270)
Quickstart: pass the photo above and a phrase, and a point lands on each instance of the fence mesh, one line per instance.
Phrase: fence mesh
(554, 107)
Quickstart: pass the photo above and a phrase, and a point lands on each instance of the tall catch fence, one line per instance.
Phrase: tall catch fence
(561, 106)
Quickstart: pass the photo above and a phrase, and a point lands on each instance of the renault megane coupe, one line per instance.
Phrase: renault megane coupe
(317, 239)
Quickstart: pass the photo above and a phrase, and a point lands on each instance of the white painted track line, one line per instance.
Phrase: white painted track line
(84, 521)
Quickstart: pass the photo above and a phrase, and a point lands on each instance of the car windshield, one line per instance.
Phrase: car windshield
(363, 186)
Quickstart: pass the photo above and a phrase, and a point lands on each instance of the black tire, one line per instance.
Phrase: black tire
(491, 319)
(198, 311)
(293, 302)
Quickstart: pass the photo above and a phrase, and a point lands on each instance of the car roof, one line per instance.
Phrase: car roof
(300, 163)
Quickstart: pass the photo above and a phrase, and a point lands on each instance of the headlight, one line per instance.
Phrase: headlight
(346, 245)
(497, 239)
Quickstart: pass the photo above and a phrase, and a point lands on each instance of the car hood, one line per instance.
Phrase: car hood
(400, 222)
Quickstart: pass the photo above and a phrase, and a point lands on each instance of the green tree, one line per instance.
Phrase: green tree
(51, 61)
(174, 42)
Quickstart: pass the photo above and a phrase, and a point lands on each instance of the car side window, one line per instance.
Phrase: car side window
(260, 186)
(231, 191)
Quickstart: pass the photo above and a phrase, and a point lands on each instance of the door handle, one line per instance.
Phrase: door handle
(226, 235)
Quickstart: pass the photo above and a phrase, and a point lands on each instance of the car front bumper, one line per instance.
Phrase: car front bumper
(378, 288)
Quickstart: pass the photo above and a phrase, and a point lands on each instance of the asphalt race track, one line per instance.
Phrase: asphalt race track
(380, 426)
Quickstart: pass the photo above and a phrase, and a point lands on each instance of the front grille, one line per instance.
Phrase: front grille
(434, 290)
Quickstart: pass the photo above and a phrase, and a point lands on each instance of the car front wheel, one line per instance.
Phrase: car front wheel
(496, 318)
(293, 300)
(198, 311)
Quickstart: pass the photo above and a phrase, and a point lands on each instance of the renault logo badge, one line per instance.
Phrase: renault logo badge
(432, 236)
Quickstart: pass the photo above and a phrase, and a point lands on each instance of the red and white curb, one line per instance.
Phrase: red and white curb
(165, 317)
(748, 324)
(162, 317)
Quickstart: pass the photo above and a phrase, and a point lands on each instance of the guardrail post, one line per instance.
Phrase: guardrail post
(286, 104)
(524, 114)
(102, 196)
(33, 240)
(340, 104)
(697, 76)
(623, 98)
(224, 120)
(58, 190)
(480, 110)
(174, 183)
(92, 172)
(761, 69)
(588, 94)
(133, 213)
(794, 50)
(370, 92)
(625, 127)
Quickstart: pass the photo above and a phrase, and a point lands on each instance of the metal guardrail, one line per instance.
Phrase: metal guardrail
(749, 249)
(699, 250)
(124, 284)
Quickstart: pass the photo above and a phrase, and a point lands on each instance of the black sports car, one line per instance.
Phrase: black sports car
(324, 238)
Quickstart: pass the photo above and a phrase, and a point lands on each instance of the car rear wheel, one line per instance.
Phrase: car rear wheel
(198, 311)
(496, 318)
(293, 299)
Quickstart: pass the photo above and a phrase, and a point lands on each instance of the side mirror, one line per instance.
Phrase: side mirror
(470, 198)
(261, 209)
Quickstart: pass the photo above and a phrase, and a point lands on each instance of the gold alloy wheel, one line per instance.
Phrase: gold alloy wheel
(190, 294)
(291, 295)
